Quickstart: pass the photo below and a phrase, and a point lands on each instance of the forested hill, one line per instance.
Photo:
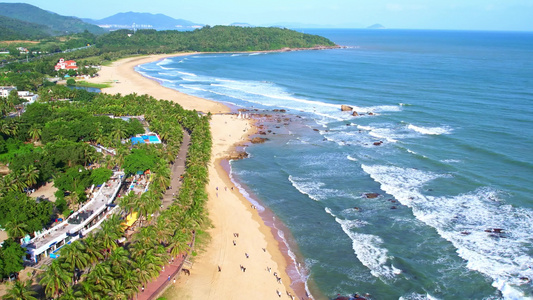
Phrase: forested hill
(209, 39)
(13, 29)
(52, 23)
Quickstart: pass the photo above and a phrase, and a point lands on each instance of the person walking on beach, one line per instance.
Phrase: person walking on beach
(219, 269)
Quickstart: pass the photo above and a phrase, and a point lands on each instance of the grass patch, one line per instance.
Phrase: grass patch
(93, 85)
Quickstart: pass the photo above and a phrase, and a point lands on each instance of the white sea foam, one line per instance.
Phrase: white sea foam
(464, 219)
(451, 161)
(367, 248)
(351, 158)
(415, 296)
(309, 188)
(163, 62)
(188, 74)
(430, 130)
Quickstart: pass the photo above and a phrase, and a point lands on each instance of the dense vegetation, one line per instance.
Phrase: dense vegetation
(106, 270)
(208, 39)
(52, 23)
(13, 29)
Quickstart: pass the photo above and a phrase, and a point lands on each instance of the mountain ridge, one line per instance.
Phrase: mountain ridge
(53, 23)
(129, 20)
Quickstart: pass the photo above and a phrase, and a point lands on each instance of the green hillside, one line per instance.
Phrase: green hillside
(13, 29)
(53, 23)
(209, 39)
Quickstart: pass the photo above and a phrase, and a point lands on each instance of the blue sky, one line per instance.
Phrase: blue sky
(411, 14)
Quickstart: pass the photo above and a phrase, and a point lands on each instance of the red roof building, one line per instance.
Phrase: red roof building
(66, 65)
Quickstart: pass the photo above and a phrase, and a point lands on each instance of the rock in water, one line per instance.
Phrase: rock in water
(346, 108)
(258, 140)
(371, 195)
(355, 114)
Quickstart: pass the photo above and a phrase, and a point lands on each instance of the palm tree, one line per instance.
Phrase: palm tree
(87, 290)
(161, 178)
(74, 256)
(68, 294)
(128, 201)
(35, 133)
(178, 243)
(146, 268)
(31, 174)
(110, 231)
(119, 261)
(119, 290)
(93, 249)
(20, 291)
(55, 279)
(100, 276)
(16, 229)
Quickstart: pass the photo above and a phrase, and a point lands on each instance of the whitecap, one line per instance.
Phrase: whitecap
(464, 219)
(430, 130)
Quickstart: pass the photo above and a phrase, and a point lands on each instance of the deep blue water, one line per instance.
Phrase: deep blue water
(454, 111)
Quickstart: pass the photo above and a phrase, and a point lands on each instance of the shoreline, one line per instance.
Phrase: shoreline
(230, 213)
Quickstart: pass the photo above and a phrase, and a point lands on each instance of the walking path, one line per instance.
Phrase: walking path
(178, 168)
(172, 269)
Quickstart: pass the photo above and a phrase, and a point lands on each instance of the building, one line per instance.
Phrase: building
(28, 96)
(66, 65)
(5, 90)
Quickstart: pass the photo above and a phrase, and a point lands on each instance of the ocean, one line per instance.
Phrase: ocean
(444, 138)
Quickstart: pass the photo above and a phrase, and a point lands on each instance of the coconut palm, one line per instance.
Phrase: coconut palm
(100, 276)
(16, 229)
(108, 234)
(178, 243)
(127, 202)
(20, 291)
(87, 290)
(55, 279)
(119, 260)
(119, 290)
(30, 173)
(147, 266)
(35, 133)
(93, 249)
(74, 256)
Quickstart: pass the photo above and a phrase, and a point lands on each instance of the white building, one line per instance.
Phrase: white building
(28, 96)
(5, 90)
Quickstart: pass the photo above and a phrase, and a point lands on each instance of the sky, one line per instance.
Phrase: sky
(513, 15)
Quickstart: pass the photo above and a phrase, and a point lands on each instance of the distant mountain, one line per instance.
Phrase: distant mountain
(238, 24)
(294, 25)
(376, 26)
(131, 20)
(50, 22)
(13, 29)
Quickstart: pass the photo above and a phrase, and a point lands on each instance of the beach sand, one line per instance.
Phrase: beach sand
(229, 211)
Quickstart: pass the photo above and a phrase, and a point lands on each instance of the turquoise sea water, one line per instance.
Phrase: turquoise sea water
(454, 111)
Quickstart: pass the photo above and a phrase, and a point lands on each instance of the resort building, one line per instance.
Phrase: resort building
(66, 65)
(87, 218)
(5, 90)
(28, 96)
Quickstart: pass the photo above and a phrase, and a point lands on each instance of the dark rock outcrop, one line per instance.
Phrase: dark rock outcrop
(371, 195)
(258, 140)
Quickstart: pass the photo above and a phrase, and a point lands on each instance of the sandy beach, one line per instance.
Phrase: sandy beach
(243, 255)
